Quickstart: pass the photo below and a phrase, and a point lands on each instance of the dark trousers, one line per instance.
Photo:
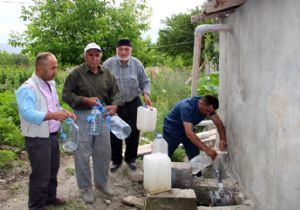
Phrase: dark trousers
(128, 113)
(173, 142)
(43, 154)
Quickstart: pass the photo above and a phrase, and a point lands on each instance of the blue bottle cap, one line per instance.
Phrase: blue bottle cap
(63, 136)
(69, 121)
(90, 118)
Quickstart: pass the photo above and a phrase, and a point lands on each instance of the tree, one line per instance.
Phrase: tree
(7, 59)
(177, 38)
(64, 27)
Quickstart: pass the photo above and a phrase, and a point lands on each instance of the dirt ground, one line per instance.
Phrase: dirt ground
(14, 188)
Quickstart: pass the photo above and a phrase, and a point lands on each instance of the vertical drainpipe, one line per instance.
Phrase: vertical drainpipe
(199, 32)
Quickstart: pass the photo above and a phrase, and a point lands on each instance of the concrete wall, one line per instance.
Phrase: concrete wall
(260, 100)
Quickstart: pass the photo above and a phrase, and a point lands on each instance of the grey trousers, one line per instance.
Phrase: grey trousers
(97, 147)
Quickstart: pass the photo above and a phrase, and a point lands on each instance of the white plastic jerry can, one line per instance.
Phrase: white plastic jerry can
(157, 173)
(146, 118)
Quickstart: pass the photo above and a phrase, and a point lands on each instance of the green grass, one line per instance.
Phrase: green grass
(70, 171)
(6, 159)
(167, 88)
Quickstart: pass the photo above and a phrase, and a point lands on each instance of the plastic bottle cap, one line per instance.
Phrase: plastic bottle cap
(69, 121)
(159, 135)
(91, 118)
(63, 136)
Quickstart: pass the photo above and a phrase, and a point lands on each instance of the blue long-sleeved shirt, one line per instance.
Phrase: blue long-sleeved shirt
(26, 97)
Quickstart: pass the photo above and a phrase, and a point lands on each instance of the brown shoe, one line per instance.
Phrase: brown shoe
(57, 202)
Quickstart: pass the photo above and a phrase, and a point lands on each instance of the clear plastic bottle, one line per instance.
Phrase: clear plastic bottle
(69, 135)
(114, 123)
(200, 162)
(119, 127)
(93, 122)
(159, 145)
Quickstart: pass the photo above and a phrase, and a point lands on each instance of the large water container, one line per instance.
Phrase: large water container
(157, 173)
(146, 118)
(93, 122)
(200, 162)
(159, 145)
(119, 127)
(69, 135)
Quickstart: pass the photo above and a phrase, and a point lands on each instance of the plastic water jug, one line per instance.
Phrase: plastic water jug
(157, 173)
(200, 162)
(146, 118)
(114, 123)
(119, 127)
(159, 145)
(93, 122)
(69, 135)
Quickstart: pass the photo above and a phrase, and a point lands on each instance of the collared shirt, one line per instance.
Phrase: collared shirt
(81, 82)
(131, 77)
(185, 110)
(25, 95)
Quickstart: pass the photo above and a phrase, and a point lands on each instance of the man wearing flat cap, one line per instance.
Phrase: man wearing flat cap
(84, 87)
(133, 82)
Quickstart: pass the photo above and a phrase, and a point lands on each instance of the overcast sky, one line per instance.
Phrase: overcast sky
(10, 11)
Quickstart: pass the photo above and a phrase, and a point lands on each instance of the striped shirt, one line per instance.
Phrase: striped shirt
(131, 77)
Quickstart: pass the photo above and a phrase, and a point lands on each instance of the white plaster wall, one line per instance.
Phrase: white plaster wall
(260, 100)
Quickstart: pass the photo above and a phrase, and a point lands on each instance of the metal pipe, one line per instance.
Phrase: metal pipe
(199, 32)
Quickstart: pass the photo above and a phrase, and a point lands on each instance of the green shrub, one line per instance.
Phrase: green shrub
(10, 133)
(12, 77)
(178, 155)
(9, 121)
(208, 84)
(6, 159)
(8, 107)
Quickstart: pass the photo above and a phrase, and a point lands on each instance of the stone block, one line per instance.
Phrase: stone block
(176, 199)
(134, 201)
(144, 150)
(182, 175)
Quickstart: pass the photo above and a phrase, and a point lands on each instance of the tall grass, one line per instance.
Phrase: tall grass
(167, 87)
